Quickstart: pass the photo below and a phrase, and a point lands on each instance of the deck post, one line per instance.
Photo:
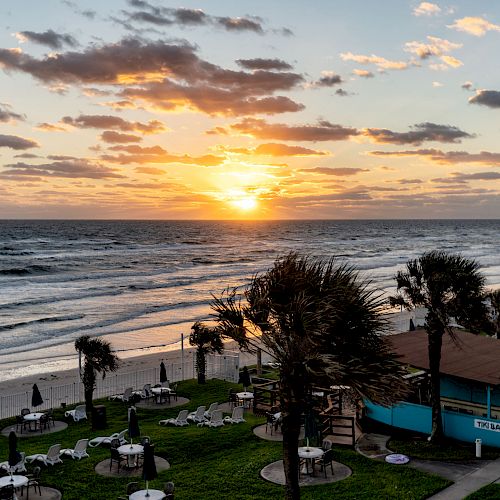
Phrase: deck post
(488, 401)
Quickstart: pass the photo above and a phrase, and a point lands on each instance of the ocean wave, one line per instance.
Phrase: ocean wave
(49, 319)
(23, 271)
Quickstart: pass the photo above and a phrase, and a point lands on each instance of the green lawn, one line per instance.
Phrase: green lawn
(212, 463)
(490, 492)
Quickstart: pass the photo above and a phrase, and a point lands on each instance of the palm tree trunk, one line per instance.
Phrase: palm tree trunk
(291, 431)
(434, 349)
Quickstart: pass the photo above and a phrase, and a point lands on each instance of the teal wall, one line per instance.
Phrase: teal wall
(418, 418)
(468, 391)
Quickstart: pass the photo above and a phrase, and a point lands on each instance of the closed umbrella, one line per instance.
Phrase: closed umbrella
(310, 425)
(163, 372)
(14, 455)
(245, 378)
(149, 469)
(133, 425)
(36, 397)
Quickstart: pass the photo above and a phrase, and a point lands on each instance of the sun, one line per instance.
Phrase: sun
(246, 204)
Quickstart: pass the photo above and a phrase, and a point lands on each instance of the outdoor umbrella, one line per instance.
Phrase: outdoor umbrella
(310, 425)
(163, 372)
(133, 425)
(36, 397)
(14, 455)
(244, 378)
(149, 469)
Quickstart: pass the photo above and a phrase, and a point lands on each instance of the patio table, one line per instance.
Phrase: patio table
(33, 417)
(160, 391)
(310, 454)
(153, 495)
(245, 397)
(131, 451)
(15, 480)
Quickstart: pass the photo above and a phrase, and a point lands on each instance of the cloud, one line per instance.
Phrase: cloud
(409, 181)
(437, 84)
(328, 79)
(476, 26)
(260, 129)
(168, 76)
(7, 115)
(342, 93)
(467, 85)
(15, 142)
(113, 123)
(340, 171)
(378, 61)
(240, 24)
(458, 177)
(421, 132)
(445, 158)
(156, 154)
(50, 38)
(264, 64)
(88, 13)
(275, 149)
(490, 98)
(73, 169)
(49, 127)
(363, 73)
(435, 47)
(111, 136)
(149, 170)
(426, 9)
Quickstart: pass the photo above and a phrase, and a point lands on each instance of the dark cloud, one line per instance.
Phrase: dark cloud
(26, 156)
(409, 181)
(467, 85)
(50, 38)
(340, 171)
(15, 142)
(329, 80)
(88, 13)
(421, 132)
(240, 24)
(490, 98)
(168, 76)
(74, 169)
(460, 177)
(113, 123)
(113, 137)
(265, 64)
(323, 131)
(49, 127)
(450, 157)
(342, 93)
(7, 115)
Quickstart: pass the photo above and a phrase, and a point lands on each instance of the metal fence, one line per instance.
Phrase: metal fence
(224, 367)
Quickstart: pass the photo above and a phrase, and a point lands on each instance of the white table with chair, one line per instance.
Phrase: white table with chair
(245, 397)
(159, 392)
(15, 480)
(33, 417)
(147, 495)
(310, 454)
(131, 451)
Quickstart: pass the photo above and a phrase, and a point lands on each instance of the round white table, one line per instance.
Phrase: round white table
(310, 453)
(33, 417)
(245, 396)
(17, 481)
(131, 451)
(153, 495)
(160, 391)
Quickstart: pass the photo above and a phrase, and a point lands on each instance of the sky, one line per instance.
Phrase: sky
(141, 109)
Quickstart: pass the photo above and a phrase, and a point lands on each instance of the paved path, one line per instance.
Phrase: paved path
(467, 477)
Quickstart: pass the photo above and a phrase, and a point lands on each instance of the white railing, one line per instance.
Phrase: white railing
(224, 367)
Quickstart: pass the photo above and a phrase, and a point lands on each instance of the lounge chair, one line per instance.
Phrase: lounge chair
(125, 397)
(211, 409)
(107, 439)
(50, 458)
(197, 416)
(145, 393)
(79, 413)
(237, 416)
(180, 421)
(19, 467)
(79, 451)
(215, 421)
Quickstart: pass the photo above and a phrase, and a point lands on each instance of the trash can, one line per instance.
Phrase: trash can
(478, 447)
(99, 417)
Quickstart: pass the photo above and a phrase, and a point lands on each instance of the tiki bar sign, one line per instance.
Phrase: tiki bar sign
(486, 425)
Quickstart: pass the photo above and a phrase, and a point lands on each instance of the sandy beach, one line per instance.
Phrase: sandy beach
(127, 365)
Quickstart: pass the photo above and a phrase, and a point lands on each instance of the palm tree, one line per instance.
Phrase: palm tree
(448, 286)
(207, 340)
(98, 359)
(321, 322)
(494, 297)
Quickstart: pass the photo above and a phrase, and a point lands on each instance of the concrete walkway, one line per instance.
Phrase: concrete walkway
(467, 477)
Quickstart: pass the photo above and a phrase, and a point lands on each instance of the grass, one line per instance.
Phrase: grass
(212, 463)
(490, 492)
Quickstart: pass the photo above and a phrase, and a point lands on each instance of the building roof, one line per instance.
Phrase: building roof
(473, 357)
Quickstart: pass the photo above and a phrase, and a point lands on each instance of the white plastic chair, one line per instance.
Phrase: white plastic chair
(180, 421)
(107, 439)
(125, 397)
(50, 458)
(236, 417)
(215, 421)
(197, 416)
(79, 451)
(19, 467)
(211, 409)
(79, 413)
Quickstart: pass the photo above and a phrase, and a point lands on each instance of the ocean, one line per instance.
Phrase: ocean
(140, 284)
